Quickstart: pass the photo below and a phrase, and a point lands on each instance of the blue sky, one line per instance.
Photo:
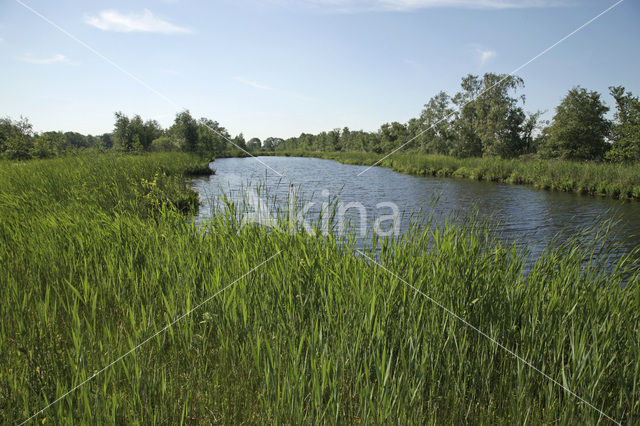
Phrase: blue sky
(281, 67)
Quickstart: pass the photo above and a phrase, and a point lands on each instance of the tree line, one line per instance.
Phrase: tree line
(487, 118)
(18, 141)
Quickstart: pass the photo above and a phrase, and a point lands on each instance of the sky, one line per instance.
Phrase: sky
(283, 67)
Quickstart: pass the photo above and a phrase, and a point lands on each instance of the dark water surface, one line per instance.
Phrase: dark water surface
(521, 214)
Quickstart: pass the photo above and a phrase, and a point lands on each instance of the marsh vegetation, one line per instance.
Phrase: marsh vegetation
(98, 255)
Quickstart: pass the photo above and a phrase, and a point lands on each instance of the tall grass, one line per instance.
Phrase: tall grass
(613, 180)
(91, 265)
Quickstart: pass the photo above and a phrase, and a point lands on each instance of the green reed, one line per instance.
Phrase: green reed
(94, 259)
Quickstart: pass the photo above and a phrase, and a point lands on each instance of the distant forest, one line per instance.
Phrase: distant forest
(486, 117)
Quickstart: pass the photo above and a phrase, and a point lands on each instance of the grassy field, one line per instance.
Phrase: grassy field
(97, 256)
(590, 178)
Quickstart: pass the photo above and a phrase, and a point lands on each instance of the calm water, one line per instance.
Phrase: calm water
(521, 214)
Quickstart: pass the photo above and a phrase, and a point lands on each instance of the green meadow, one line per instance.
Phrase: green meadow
(116, 308)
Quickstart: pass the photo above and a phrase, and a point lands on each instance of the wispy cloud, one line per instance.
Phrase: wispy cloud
(144, 22)
(260, 86)
(408, 5)
(414, 65)
(251, 83)
(57, 58)
(485, 56)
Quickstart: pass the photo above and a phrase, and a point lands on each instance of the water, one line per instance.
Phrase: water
(520, 214)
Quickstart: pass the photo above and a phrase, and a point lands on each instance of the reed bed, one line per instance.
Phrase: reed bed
(97, 255)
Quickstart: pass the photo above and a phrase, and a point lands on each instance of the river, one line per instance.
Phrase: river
(520, 214)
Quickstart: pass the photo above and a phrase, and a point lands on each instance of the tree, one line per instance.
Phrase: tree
(185, 129)
(240, 142)
(579, 128)
(271, 143)
(164, 144)
(254, 144)
(393, 136)
(626, 130)
(212, 138)
(16, 138)
(75, 140)
(107, 140)
(150, 131)
(468, 142)
(437, 130)
(490, 119)
(529, 128)
(49, 144)
(122, 132)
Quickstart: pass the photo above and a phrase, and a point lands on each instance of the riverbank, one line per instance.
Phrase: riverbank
(618, 181)
(96, 258)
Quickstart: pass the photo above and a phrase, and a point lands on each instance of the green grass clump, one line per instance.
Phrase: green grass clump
(199, 169)
(96, 257)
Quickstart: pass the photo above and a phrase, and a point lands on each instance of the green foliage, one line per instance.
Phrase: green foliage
(16, 138)
(185, 128)
(240, 142)
(254, 144)
(437, 131)
(212, 138)
(489, 121)
(95, 258)
(134, 135)
(626, 130)
(45, 145)
(271, 144)
(579, 128)
(164, 144)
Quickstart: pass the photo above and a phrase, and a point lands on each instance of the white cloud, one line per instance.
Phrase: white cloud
(251, 83)
(407, 5)
(145, 22)
(57, 58)
(485, 56)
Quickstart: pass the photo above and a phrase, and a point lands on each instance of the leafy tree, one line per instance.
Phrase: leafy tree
(529, 128)
(467, 142)
(240, 142)
(136, 145)
(185, 128)
(49, 144)
(164, 144)
(16, 138)
(579, 128)
(107, 140)
(437, 130)
(626, 130)
(212, 138)
(151, 130)
(75, 140)
(271, 143)
(254, 144)
(122, 137)
(490, 119)
(393, 136)
(134, 134)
